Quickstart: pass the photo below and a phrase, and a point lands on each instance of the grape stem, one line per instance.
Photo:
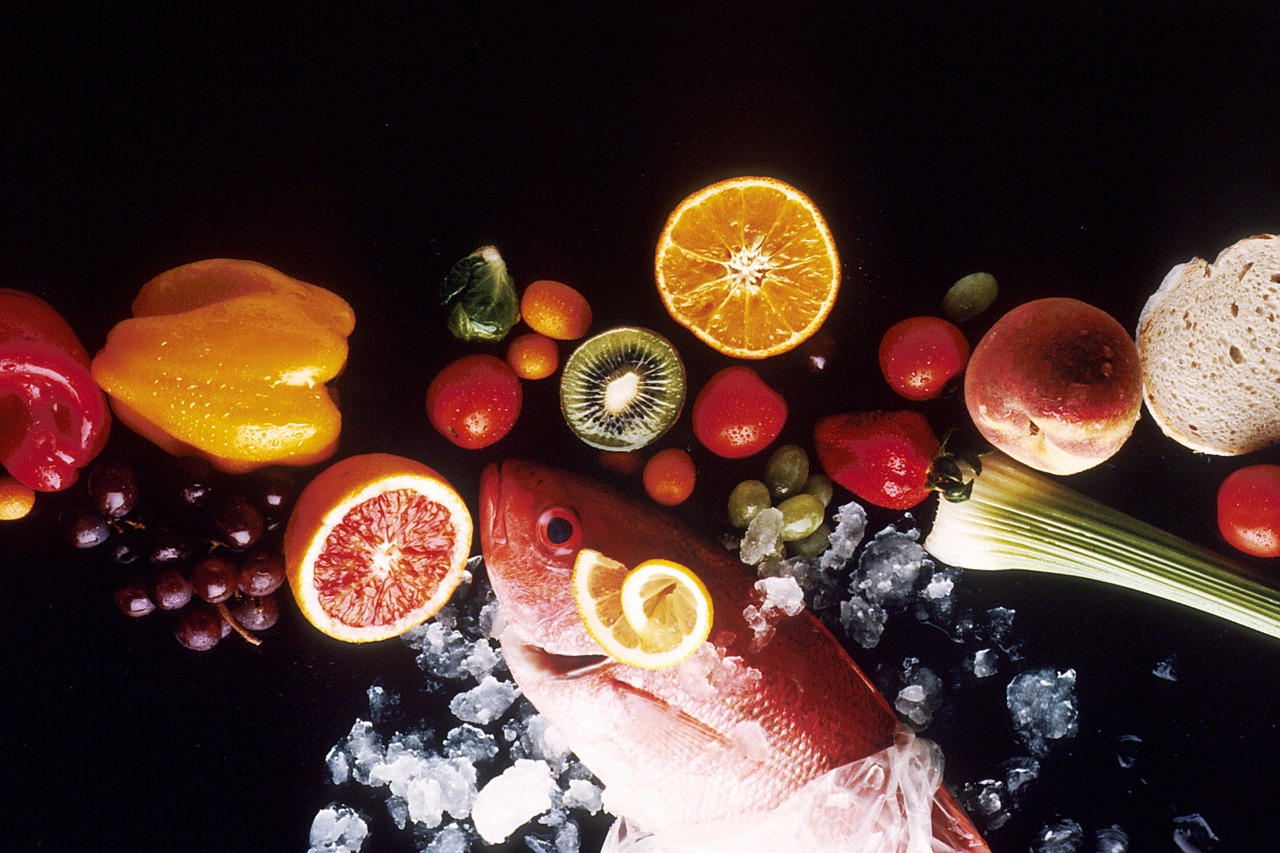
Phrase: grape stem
(225, 613)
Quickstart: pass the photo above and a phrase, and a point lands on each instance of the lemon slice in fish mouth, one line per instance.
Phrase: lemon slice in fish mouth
(653, 616)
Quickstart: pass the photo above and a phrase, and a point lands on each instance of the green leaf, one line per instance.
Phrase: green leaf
(480, 297)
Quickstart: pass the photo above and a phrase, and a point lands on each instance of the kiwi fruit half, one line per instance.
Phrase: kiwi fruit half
(622, 389)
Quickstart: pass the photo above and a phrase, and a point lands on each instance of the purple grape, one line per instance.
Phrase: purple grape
(168, 547)
(262, 573)
(199, 627)
(171, 589)
(113, 488)
(257, 613)
(214, 578)
(132, 599)
(194, 480)
(84, 527)
(238, 523)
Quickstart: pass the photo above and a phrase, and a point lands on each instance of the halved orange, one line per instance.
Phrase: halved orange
(375, 545)
(749, 266)
(653, 616)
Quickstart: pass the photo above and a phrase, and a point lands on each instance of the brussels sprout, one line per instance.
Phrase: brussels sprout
(480, 297)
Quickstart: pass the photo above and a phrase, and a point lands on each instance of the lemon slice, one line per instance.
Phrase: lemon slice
(653, 616)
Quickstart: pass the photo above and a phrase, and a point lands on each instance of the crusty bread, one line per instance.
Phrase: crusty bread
(1209, 348)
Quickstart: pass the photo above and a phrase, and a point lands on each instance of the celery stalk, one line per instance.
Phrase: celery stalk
(1017, 518)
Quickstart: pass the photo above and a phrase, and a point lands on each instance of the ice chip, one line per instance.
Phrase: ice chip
(921, 694)
(1167, 669)
(781, 594)
(940, 586)
(383, 703)
(1111, 839)
(337, 829)
(863, 621)
(1042, 704)
(1128, 748)
(449, 839)
(985, 663)
(1065, 836)
(763, 537)
(567, 838)
(398, 808)
(776, 598)
(482, 660)
(1019, 772)
(847, 534)
(890, 565)
(443, 651)
(1000, 625)
(1192, 834)
(521, 793)
(361, 749)
(467, 741)
(582, 794)
(338, 761)
(485, 702)
(541, 741)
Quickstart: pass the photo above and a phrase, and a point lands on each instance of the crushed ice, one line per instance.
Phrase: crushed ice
(503, 767)
(776, 598)
(1192, 834)
(500, 767)
(337, 829)
(1042, 703)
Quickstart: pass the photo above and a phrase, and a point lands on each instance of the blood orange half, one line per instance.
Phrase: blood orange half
(375, 545)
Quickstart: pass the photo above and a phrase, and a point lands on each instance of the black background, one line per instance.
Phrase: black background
(1077, 151)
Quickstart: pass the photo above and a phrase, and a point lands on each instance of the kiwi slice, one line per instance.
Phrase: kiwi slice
(622, 389)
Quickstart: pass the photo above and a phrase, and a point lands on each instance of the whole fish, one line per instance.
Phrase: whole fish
(787, 746)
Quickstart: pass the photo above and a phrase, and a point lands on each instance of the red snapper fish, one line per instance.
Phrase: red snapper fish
(785, 746)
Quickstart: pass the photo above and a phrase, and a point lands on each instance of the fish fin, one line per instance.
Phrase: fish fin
(683, 734)
(952, 826)
(625, 837)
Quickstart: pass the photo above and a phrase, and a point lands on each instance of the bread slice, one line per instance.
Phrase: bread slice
(1209, 350)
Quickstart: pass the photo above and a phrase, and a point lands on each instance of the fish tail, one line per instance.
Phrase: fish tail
(952, 827)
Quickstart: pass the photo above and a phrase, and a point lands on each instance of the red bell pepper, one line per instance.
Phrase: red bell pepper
(53, 417)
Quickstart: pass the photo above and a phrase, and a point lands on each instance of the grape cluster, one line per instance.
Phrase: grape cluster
(202, 546)
(800, 496)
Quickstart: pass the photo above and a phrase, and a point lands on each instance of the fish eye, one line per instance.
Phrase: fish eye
(559, 530)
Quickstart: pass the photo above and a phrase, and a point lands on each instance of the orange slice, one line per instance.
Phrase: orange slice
(653, 616)
(375, 545)
(749, 266)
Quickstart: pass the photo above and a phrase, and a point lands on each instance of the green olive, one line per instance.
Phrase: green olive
(969, 296)
(745, 502)
(814, 544)
(819, 485)
(801, 515)
(786, 470)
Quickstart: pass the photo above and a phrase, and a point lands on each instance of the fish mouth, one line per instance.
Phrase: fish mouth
(493, 528)
(528, 658)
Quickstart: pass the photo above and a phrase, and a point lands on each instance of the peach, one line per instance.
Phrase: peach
(1055, 384)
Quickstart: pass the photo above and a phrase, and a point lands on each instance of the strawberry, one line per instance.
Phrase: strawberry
(882, 457)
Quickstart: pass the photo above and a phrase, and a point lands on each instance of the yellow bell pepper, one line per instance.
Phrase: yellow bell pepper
(228, 360)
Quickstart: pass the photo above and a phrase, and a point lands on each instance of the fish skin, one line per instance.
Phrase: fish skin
(728, 732)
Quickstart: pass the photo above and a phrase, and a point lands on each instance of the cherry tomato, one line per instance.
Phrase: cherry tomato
(1249, 510)
(736, 414)
(919, 355)
(669, 476)
(474, 401)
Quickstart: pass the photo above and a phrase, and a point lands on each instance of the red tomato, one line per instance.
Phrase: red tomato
(474, 401)
(1249, 510)
(736, 414)
(919, 355)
